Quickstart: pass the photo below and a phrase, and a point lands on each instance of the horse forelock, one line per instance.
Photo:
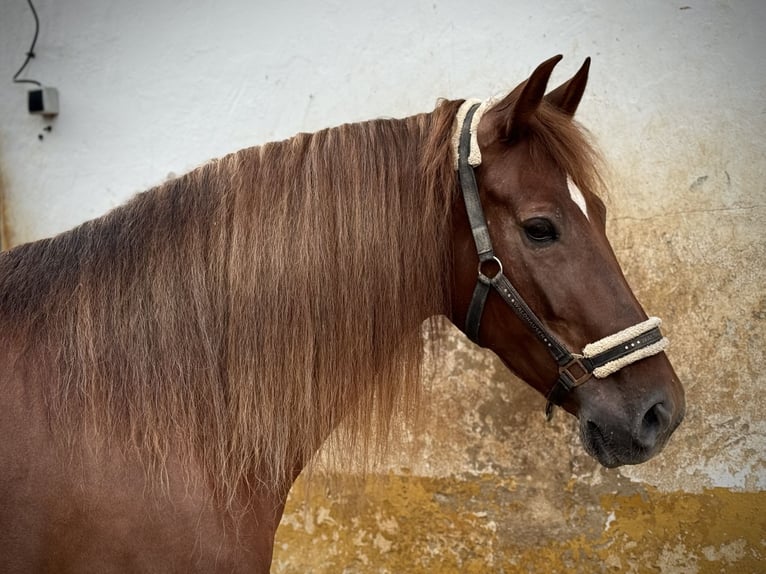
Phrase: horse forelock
(233, 316)
(555, 136)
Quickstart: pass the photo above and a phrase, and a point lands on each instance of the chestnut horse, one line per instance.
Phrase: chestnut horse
(167, 370)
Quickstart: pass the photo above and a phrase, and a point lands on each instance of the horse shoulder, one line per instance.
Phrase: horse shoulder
(71, 505)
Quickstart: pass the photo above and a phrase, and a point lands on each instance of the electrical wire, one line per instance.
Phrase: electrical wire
(31, 52)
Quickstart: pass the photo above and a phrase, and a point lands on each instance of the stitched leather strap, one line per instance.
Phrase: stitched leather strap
(514, 300)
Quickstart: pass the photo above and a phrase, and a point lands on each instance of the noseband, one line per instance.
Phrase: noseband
(599, 359)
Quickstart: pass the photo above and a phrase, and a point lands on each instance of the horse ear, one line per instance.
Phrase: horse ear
(519, 106)
(568, 95)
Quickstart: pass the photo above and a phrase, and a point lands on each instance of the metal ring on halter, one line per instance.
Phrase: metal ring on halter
(485, 278)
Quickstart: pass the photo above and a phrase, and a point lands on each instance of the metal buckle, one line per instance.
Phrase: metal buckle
(576, 376)
(485, 278)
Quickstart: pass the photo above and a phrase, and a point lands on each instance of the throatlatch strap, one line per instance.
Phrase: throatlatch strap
(476, 309)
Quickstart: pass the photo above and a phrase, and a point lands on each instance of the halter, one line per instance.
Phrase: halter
(599, 359)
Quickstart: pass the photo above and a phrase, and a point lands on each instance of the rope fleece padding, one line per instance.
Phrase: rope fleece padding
(621, 337)
(474, 157)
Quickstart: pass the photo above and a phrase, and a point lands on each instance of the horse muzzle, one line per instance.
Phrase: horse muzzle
(616, 437)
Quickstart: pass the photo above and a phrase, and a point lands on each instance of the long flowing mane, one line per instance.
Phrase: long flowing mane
(231, 315)
(234, 315)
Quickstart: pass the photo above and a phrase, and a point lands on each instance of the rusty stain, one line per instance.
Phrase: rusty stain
(415, 525)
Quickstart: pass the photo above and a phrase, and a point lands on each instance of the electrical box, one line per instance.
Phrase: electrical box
(43, 101)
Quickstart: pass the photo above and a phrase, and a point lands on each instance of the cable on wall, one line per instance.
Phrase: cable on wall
(30, 52)
(41, 100)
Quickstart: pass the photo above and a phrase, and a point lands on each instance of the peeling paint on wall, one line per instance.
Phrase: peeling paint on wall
(403, 523)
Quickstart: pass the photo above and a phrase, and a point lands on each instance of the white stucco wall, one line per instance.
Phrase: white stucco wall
(149, 88)
(676, 100)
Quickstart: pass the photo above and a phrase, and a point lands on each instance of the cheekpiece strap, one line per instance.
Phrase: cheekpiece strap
(471, 190)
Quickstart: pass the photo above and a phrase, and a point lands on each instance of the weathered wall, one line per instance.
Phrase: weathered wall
(497, 489)
(676, 101)
(3, 240)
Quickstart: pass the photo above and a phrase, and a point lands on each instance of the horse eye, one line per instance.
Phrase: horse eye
(540, 230)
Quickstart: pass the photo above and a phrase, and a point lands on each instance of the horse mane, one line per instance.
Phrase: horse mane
(236, 315)
(233, 315)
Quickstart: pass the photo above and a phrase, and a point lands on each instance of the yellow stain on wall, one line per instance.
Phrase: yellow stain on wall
(407, 524)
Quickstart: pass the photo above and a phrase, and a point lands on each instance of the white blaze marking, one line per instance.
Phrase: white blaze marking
(577, 196)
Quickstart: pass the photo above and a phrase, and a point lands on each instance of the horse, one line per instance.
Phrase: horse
(167, 370)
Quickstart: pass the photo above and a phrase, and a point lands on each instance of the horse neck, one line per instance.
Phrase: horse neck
(356, 260)
(237, 315)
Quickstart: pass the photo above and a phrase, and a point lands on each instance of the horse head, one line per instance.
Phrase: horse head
(551, 300)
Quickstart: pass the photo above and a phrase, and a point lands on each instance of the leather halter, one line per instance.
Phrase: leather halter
(608, 354)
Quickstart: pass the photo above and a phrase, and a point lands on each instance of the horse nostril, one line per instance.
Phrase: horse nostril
(651, 420)
(655, 421)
